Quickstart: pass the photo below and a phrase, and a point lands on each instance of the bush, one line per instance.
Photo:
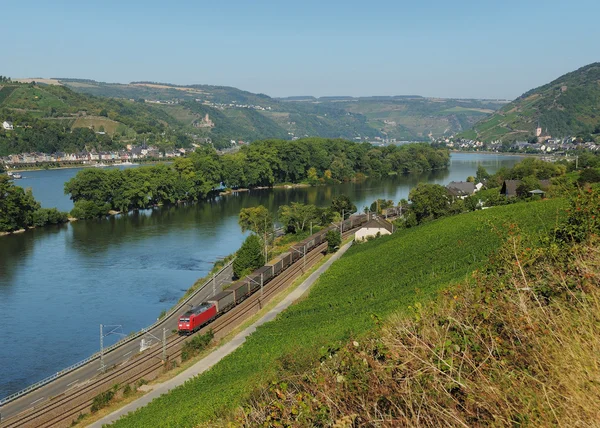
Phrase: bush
(249, 257)
(103, 399)
(589, 175)
(44, 216)
(583, 217)
(88, 209)
(196, 345)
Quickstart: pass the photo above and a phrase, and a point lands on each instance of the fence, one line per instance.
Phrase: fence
(121, 342)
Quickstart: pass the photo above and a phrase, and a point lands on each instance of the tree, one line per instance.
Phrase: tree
(258, 220)
(249, 257)
(481, 174)
(334, 240)
(16, 206)
(527, 184)
(312, 176)
(429, 201)
(588, 175)
(296, 216)
(381, 204)
(342, 203)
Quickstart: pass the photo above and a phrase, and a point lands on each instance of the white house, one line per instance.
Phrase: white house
(372, 228)
(8, 126)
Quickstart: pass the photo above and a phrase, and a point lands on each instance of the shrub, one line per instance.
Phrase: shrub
(103, 399)
(89, 209)
(44, 216)
(196, 345)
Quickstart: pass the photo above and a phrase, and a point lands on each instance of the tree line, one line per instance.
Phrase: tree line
(295, 219)
(260, 164)
(432, 201)
(20, 210)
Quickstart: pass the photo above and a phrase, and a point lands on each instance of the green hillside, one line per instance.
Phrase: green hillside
(237, 114)
(402, 117)
(417, 118)
(367, 284)
(567, 106)
(50, 118)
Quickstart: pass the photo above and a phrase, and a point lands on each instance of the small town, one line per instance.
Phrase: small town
(93, 157)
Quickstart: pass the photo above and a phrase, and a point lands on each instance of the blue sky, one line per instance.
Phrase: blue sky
(480, 49)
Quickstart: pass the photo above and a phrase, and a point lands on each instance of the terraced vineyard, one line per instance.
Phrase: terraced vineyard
(370, 282)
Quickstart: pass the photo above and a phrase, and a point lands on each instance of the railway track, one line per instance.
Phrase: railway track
(63, 409)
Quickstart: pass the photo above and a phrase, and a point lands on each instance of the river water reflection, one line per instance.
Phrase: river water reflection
(57, 284)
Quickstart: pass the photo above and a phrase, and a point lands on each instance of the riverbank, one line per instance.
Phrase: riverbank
(139, 162)
(485, 152)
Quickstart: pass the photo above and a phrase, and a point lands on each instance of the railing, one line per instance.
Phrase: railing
(121, 342)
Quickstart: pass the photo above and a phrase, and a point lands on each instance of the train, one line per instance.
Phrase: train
(206, 312)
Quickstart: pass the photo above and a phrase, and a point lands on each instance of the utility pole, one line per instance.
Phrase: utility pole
(164, 350)
(214, 284)
(102, 367)
(304, 258)
(342, 223)
(311, 227)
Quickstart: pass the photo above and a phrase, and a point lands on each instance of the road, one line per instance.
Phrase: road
(118, 356)
(221, 352)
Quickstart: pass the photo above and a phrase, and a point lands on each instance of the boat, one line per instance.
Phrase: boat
(100, 165)
(127, 163)
(15, 175)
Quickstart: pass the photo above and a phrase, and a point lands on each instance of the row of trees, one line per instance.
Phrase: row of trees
(432, 201)
(20, 210)
(295, 218)
(96, 192)
(314, 160)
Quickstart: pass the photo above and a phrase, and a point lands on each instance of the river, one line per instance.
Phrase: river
(59, 283)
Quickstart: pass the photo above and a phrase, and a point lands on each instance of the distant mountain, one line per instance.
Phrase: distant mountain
(567, 106)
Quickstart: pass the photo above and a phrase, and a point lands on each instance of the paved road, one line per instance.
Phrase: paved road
(118, 356)
(220, 353)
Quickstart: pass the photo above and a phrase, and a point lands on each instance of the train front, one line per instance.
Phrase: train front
(184, 326)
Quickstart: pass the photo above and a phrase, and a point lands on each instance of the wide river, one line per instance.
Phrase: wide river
(58, 284)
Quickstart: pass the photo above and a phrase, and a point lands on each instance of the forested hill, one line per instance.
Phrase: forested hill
(567, 106)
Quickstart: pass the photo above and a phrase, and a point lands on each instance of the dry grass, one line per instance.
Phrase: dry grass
(514, 345)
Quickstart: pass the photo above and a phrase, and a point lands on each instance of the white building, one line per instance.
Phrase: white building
(8, 126)
(372, 228)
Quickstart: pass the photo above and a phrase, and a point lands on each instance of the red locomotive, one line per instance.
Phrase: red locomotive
(195, 318)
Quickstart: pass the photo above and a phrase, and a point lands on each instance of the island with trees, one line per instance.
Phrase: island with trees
(203, 173)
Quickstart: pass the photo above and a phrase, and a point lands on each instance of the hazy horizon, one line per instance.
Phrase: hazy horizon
(434, 49)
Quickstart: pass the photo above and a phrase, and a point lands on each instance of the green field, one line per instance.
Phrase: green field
(370, 282)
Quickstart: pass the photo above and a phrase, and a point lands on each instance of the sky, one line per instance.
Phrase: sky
(434, 48)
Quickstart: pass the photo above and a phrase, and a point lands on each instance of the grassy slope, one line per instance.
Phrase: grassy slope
(376, 278)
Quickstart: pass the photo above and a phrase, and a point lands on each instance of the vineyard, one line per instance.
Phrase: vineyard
(369, 283)
(5, 92)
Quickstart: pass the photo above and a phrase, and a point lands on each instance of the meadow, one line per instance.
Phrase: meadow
(372, 281)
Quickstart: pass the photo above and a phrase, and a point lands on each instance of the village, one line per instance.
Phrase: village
(127, 156)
